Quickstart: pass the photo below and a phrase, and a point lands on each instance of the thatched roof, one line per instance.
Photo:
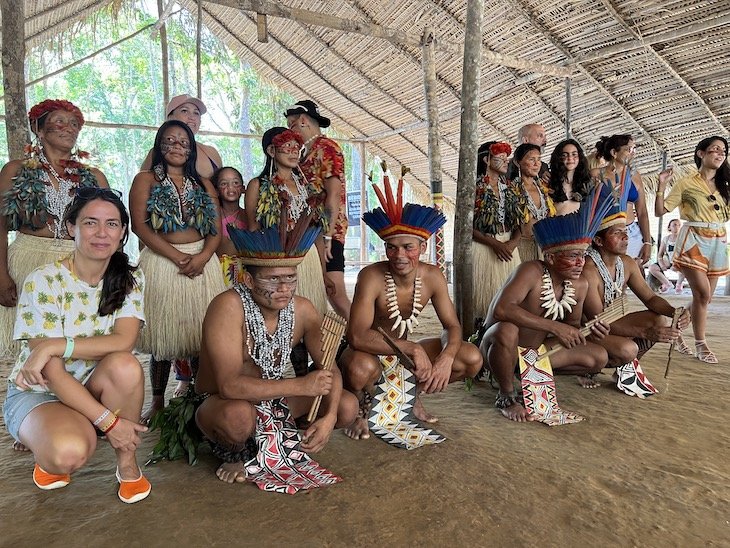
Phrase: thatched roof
(655, 68)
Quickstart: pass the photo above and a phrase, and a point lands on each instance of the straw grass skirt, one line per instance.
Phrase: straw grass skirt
(311, 281)
(174, 304)
(490, 273)
(26, 254)
(529, 250)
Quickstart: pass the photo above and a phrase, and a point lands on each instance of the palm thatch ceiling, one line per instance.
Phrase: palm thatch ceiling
(657, 69)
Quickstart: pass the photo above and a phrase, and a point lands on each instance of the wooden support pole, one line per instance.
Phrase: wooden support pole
(165, 58)
(568, 106)
(13, 58)
(466, 179)
(434, 149)
(363, 204)
(262, 27)
(198, 39)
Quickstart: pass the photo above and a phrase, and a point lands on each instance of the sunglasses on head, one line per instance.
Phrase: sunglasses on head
(91, 192)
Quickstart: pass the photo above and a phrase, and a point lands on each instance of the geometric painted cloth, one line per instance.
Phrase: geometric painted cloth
(391, 416)
(280, 465)
(538, 388)
(631, 380)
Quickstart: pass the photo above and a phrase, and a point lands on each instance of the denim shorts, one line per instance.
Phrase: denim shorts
(19, 403)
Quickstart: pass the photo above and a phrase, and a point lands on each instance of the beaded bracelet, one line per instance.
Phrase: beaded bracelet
(104, 415)
(112, 425)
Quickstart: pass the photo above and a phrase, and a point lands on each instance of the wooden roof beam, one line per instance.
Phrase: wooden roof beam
(646, 41)
(667, 66)
(395, 36)
(526, 12)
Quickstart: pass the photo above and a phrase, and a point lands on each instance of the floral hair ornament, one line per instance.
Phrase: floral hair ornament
(49, 105)
(285, 137)
(275, 246)
(394, 218)
(576, 230)
(500, 148)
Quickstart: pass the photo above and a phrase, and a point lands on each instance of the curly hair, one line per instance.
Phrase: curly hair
(559, 174)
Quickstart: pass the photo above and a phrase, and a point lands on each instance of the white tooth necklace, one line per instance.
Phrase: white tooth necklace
(553, 309)
(392, 301)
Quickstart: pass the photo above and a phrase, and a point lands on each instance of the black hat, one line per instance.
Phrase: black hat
(310, 109)
(269, 135)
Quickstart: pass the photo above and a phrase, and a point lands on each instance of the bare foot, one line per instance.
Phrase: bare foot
(158, 403)
(17, 446)
(665, 287)
(358, 430)
(181, 389)
(588, 381)
(421, 414)
(516, 412)
(230, 472)
(678, 289)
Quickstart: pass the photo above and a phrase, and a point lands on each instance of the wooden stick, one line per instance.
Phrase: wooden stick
(405, 360)
(614, 311)
(332, 329)
(675, 320)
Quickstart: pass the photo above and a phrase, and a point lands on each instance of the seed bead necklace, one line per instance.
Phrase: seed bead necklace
(611, 288)
(265, 346)
(58, 198)
(392, 301)
(554, 309)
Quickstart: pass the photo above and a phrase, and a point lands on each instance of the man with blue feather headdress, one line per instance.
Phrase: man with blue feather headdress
(390, 295)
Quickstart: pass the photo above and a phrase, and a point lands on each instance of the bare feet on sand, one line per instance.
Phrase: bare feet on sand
(158, 403)
(230, 472)
(421, 414)
(358, 430)
(516, 412)
(588, 381)
(17, 446)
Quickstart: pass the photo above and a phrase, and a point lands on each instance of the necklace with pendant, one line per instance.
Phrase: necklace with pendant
(554, 309)
(392, 301)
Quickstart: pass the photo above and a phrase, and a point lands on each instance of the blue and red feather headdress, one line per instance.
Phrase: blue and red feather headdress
(275, 246)
(394, 218)
(617, 213)
(576, 230)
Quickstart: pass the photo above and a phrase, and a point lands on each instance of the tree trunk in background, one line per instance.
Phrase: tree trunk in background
(165, 62)
(13, 58)
(244, 126)
(466, 178)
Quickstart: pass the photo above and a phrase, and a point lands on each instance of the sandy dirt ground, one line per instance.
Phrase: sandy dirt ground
(635, 473)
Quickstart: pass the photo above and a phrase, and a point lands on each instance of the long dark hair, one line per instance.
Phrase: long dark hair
(614, 142)
(558, 172)
(118, 280)
(158, 159)
(266, 140)
(521, 151)
(722, 176)
(482, 153)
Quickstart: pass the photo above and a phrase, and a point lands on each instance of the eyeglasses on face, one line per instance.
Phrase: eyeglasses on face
(717, 149)
(91, 192)
(172, 141)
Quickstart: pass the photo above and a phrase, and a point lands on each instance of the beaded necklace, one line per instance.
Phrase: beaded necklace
(611, 288)
(392, 301)
(553, 308)
(265, 346)
(297, 201)
(58, 198)
(541, 212)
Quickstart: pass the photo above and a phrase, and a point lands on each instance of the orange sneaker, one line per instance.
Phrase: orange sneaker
(47, 481)
(131, 491)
